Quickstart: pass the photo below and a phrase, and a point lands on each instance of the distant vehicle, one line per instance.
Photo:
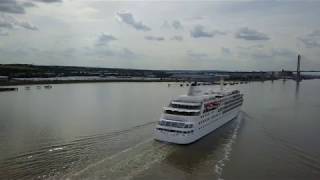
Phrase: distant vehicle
(48, 86)
(8, 89)
(192, 116)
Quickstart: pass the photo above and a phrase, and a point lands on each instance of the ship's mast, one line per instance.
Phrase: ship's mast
(192, 89)
(221, 83)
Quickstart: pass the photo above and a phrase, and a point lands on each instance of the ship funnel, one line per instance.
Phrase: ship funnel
(193, 90)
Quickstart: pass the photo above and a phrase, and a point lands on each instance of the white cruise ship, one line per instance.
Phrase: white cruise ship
(192, 116)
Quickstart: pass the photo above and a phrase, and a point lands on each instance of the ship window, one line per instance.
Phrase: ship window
(182, 113)
(188, 126)
(169, 130)
(171, 124)
(184, 106)
(180, 125)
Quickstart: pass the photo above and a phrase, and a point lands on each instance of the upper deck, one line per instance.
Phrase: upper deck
(192, 105)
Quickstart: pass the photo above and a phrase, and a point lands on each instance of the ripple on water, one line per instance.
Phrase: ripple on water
(227, 149)
(60, 159)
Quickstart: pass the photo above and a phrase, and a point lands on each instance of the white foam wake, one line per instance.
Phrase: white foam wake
(88, 168)
(227, 149)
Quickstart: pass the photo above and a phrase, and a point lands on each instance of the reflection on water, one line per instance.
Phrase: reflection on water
(297, 89)
(104, 131)
(207, 145)
(142, 160)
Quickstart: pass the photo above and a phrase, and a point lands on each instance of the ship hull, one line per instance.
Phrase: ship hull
(198, 132)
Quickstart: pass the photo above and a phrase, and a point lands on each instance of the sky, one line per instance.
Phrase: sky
(188, 35)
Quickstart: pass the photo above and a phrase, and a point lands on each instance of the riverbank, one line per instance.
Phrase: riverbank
(17, 83)
(8, 89)
(25, 82)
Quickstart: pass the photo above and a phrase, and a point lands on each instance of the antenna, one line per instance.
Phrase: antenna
(221, 83)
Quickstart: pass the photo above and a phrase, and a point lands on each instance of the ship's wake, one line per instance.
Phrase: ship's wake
(227, 147)
(125, 154)
(126, 164)
(58, 159)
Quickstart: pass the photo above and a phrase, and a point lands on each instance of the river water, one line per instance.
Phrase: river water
(104, 131)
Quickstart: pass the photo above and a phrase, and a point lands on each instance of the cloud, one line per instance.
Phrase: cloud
(199, 32)
(108, 51)
(28, 4)
(48, 1)
(154, 38)
(127, 54)
(177, 38)
(274, 54)
(5, 24)
(197, 55)
(177, 25)
(18, 6)
(26, 25)
(165, 24)
(268, 54)
(311, 40)
(250, 35)
(68, 52)
(9, 22)
(195, 18)
(225, 51)
(104, 39)
(284, 53)
(11, 6)
(3, 32)
(130, 20)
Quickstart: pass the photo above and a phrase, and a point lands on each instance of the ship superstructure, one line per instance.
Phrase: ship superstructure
(189, 117)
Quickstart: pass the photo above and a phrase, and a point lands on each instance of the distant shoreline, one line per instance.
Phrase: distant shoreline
(47, 82)
(19, 83)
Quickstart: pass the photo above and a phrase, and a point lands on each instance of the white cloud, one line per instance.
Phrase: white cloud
(197, 55)
(154, 38)
(199, 32)
(160, 35)
(3, 32)
(48, 1)
(251, 35)
(9, 22)
(311, 40)
(11, 6)
(130, 20)
(177, 38)
(104, 39)
(177, 24)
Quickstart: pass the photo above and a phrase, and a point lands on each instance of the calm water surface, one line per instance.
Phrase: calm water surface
(104, 131)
